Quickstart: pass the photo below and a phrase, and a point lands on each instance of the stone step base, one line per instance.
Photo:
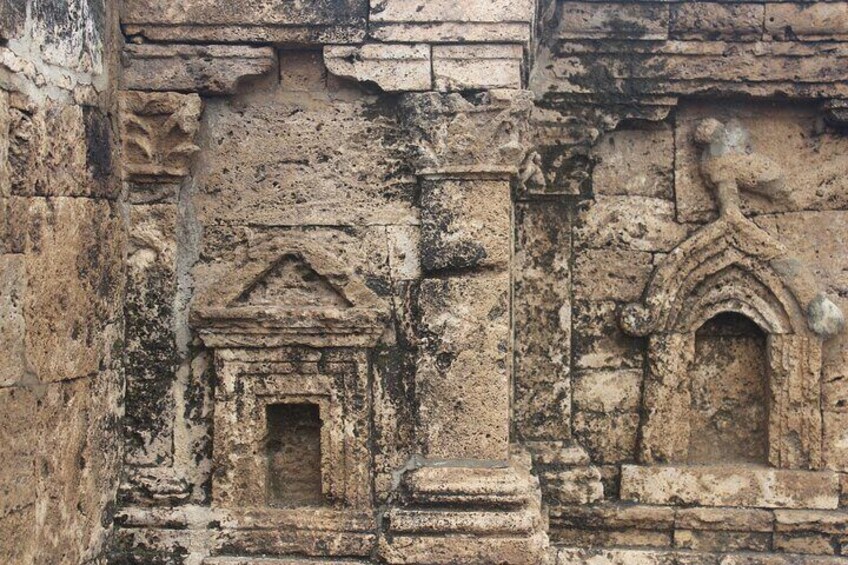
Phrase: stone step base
(279, 561)
(577, 556)
(440, 521)
(463, 550)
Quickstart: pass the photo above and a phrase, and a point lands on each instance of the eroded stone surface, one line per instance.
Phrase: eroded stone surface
(382, 304)
(730, 486)
(180, 68)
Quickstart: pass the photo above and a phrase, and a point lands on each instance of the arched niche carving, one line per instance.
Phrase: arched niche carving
(733, 266)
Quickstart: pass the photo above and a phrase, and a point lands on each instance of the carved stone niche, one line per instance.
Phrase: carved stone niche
(732, 267)
(292, 469)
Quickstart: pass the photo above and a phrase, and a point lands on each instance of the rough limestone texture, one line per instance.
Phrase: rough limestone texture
(408, 282)
(62, 245)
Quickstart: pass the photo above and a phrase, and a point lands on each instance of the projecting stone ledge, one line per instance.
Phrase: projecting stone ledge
(730, 485)
(576, 556)
(394, 68)
(215, 69)
(225, 21)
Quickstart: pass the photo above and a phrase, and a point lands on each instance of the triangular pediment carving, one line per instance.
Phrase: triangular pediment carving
(289, 293)
(292, 282)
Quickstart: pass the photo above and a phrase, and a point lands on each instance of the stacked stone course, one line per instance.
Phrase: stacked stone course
(427, 282)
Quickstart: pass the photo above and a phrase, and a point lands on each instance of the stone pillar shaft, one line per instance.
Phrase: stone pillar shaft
(463, 370)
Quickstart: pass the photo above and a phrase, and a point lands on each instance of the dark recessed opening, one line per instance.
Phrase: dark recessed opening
(729, 388)
(294, 455)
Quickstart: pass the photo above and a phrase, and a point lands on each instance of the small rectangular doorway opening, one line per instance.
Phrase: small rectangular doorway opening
(729, 388)
(294, 455)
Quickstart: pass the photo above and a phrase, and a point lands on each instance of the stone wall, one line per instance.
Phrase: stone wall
(436, 282)
(61, 265)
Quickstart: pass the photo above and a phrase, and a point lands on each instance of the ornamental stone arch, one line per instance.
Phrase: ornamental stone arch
(733, 266)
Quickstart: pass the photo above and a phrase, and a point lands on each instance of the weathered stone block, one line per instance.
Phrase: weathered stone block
(448, 11)
(645, 70)
(834, 392)
(635, 163)
(608, 391)
(393, 68)
(609, 438)
(813, 543)
(324, 163)
(580, 485)
(210, 69)
(614, 516)
(714, 20)
(722, 541)
(826, 522)
(730, 486)
(598, 20)
(816, 21)
(724, 519)
(444, 21)
(542, 320)
(836, 440)
(464, 224)
(61, 150)
(12, 18)
(302, 71)
(641, 224)
(611, 274)
(74, 277)
(222, 21)
(404, 252)
(786, 135)
(19, 434)
(599, 342)
(573, 556)
(12, 323)
(462, 373)
(477, 67)
(484, 134)
(60, 455)
(557, 454)
(578, 537)
(150, 346)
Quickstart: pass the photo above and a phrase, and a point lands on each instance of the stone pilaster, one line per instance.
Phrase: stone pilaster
(469, 153)
(158, 132)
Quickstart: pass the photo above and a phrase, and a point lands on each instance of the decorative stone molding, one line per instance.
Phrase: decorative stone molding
(393, 68)
(205, 69)
(250, 382)
(222, 21)
(290, 293)
(732, 265)
(607, 51)
(158, 133)
(291, 330)
(500, 509)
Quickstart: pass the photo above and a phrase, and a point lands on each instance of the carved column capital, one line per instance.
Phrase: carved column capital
(487, 134)
(158, 133)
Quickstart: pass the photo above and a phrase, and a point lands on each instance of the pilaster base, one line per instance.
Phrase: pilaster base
(500, 521)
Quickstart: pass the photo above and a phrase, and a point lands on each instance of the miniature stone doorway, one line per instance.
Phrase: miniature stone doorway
(291, 330)
(732, 268)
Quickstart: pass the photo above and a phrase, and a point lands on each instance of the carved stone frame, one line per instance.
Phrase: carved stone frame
(279, 353)
(731, 265)
(250, 380)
